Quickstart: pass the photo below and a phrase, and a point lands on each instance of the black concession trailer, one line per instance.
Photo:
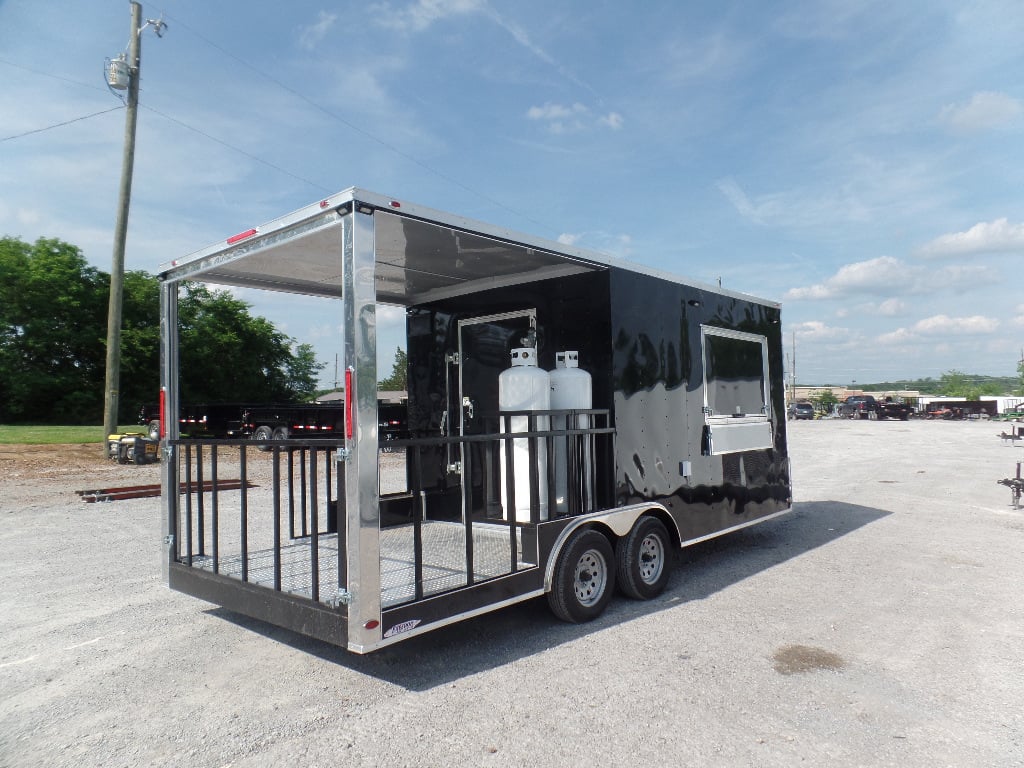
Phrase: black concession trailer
(571, 421)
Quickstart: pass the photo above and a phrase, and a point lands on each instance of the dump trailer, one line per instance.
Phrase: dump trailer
(572, 420)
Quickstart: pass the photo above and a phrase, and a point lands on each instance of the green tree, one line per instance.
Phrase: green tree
(953, 383)
(52, 326)
(398, 380)
(229, 355)
(140, 343)
(303, 372)
(956, 383)
(53, 319)
(824, 400)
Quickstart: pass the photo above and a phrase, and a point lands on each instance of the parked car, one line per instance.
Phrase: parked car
(866, 407)
(801, 410)
(892, 409)
(859, 407)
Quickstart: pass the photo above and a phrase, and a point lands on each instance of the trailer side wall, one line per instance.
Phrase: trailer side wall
(658, 378)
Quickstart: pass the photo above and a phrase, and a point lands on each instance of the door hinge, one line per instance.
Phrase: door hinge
(343, 455)
(169, 540)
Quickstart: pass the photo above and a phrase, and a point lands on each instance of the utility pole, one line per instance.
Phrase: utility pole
(113, 373)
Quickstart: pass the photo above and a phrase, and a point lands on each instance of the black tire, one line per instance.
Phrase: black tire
(262, 436)
(584, 578)
(644, 559)
(281, 433)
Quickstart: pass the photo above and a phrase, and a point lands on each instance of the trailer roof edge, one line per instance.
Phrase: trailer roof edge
(358, 196)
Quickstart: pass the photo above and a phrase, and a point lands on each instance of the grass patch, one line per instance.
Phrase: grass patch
(52, 434)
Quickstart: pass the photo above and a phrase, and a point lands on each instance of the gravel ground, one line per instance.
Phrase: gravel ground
(879, 624)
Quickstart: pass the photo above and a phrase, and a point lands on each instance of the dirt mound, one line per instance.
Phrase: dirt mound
(44, 459)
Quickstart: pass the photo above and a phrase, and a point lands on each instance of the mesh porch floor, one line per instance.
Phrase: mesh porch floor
(444, 561)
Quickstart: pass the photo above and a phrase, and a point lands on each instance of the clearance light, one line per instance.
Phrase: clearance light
(348, 403)
(371, 624)
(395, 204)
(241, 236)
(324, 204)
(163, 412)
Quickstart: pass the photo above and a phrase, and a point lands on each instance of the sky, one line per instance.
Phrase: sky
(860, 162)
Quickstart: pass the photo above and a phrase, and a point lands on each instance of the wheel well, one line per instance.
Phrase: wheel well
(608, 525)
(666, 520)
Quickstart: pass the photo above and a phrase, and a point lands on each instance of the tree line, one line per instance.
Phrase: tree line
(53, 323)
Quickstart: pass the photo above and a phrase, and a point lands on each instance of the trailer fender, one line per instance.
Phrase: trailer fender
(616, 522)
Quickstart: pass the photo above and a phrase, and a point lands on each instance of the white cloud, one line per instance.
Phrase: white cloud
(555, 111)
(986, 110)
(619, 246)
(522, 37)
(810, 207)
(701, 58)
(1018, 319)
(815, 330)
(743, 204)
(419, 15)
(310, 36)
(984, 237)
(613, 120)
(941, 326)
(891, 307)
(863, 276)
(960, 326)
(571, 118)
(887, 275)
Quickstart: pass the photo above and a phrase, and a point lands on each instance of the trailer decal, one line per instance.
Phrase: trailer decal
(405, 626)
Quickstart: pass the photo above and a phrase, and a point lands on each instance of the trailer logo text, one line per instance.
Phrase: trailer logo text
(405, 626)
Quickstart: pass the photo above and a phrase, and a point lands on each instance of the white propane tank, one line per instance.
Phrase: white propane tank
(524, 387)
(571, 389)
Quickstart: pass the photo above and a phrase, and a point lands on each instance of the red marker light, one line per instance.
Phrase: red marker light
(324, 204)
(241, 236)
(395, 204)
(371, 624)
(163, 412)
(348, 403)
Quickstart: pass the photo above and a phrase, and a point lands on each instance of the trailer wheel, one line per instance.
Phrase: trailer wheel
(281, 433)
(263, 435)
(644, 564)
(584, 578)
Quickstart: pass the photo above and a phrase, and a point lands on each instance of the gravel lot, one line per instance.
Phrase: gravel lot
(880, 624)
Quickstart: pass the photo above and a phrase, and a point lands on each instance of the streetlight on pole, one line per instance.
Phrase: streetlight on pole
(123, 74)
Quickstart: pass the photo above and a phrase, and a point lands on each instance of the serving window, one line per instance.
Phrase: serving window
(736, 411)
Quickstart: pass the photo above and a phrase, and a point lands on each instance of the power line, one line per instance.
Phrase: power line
(58, 125)
(333, 115)
(53, 77)
(164, 115)
(251, 156)
(355, 128)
